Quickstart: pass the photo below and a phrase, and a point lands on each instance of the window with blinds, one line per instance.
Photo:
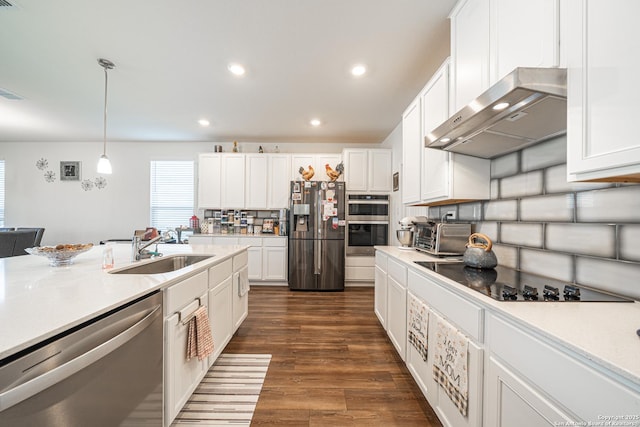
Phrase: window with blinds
(1, 193)
(172, 193)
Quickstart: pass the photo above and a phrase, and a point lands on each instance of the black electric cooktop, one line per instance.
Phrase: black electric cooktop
(506, 284)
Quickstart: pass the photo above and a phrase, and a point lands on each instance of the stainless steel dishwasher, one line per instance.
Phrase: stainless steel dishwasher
(105, 372)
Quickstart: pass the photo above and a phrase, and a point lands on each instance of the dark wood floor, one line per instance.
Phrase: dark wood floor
(332, 362)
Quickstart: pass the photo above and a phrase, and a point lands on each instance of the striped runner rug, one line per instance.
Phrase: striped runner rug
(228, 393)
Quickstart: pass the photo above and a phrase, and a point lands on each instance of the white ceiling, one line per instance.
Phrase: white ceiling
(171, 68)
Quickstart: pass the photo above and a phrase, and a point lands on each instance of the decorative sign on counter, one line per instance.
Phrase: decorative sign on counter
(450, 364)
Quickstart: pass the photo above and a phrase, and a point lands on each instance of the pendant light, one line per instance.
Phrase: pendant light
(104, 165)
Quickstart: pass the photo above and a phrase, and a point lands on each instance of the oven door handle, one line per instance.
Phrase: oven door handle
(32, 387)
(368, 222)
(368, 202)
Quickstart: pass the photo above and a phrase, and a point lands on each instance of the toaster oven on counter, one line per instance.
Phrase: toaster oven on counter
(441, 238)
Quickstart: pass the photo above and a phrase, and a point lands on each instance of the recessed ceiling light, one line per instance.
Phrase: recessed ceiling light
(315, 122)
(358, 70)
(203, 122)
(500, 106)
(236, 69)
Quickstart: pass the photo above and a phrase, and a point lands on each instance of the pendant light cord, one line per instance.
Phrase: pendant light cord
(104, 133)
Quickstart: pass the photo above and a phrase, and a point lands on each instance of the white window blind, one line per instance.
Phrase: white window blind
(1, 193)
(172, 189)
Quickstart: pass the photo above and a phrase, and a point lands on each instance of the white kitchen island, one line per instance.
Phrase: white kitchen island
(533, 364)
(38, 302)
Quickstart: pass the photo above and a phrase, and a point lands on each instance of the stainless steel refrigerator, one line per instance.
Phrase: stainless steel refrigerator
(316, 236)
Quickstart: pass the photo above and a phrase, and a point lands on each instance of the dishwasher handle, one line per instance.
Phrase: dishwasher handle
(30, 388)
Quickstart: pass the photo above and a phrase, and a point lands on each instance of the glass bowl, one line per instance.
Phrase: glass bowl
(60, 255)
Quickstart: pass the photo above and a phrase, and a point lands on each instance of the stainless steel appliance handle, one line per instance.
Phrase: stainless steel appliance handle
(24, 391)
(317, 257)
(368, 202)
(369, 222)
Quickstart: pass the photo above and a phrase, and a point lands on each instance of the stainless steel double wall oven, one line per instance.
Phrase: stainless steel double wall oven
(367, 223)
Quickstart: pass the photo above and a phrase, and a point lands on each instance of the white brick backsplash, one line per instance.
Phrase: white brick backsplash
(609, 205)
(630, 242)
(470, 211)
(523, 234)
(488, 228)
(505, 210)
(547, 208)
(556, 181)
(615, 276)
(506, 165)
(495, 189)
(587, 239)
(554, 265)
(548, 153)
(527, 184)
(540, 223)
(507, 255)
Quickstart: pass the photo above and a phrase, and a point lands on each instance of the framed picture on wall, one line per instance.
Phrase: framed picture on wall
(396, 181)
(69, 171)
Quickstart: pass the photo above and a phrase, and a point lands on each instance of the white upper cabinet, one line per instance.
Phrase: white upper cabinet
(209, 167)
(257, 173)
(379, 170)
(221, 180)
(489, 38)
(469, 51)
(412, 146)
(279, 176)
(435, 110)
(602, 92)
(431, 176)
(523, 33)
(367, 169)
(232, 180)
(317, 162)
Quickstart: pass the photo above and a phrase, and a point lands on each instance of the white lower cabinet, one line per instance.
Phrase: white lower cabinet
(223, 289)
(275, 259)
(397, 305)
(220, 301)
(268, 261)
(422, 371)
(380, 288)
(512, 401)
(516, 375)
(359, 270)
(529, 373)
(181, 376)
(240, 297)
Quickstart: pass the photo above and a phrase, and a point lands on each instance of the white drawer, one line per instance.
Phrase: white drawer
(398, 271)
(181, 294)
(240, 261)
(251, 241)
(219, 273)
(381, 261)
(225, 241)
(359, 274)
(457, 310)
(560, 375)
(359, 261)
(280, 242)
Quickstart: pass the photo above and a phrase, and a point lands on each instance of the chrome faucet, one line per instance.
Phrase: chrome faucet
(138, 248)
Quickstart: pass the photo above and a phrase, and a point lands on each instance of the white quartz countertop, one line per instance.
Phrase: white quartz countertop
(38, 301)
(602, 332)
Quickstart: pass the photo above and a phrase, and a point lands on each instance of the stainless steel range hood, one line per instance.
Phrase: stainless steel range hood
(534, 108)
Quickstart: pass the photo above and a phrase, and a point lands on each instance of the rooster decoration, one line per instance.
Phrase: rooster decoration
(307, 174)
(334, 174)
